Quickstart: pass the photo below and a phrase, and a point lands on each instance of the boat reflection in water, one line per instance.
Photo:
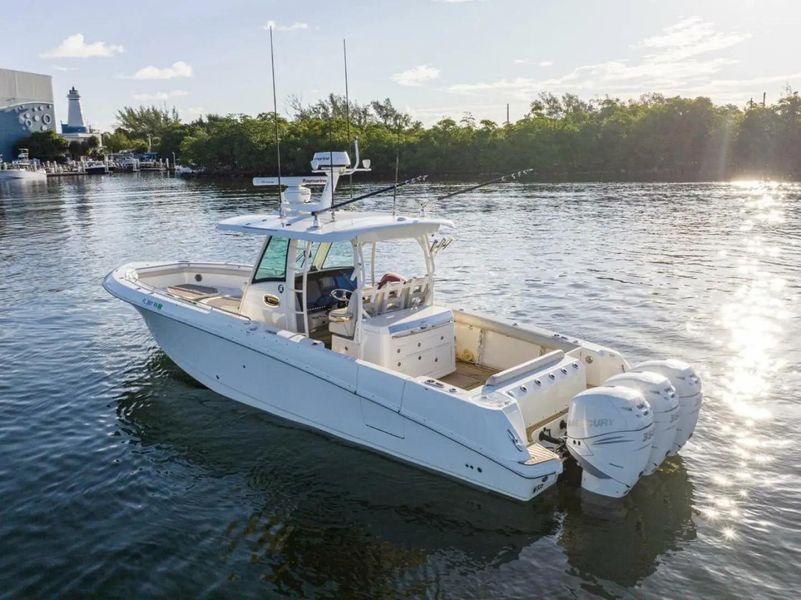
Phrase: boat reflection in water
(327, 513)
(623, 541)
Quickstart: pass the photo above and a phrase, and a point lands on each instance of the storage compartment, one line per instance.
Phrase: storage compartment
(416, 342)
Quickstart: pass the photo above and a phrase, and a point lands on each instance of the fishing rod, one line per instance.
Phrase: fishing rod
(376, 192)
(502, 179)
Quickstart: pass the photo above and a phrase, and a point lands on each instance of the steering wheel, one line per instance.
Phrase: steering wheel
(341, 294)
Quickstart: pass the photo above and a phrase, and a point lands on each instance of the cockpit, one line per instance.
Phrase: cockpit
(358, 284)
(324, 277)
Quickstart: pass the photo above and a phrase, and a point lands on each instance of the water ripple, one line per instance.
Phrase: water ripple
(119, 472)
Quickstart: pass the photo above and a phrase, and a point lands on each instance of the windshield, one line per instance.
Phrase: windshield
(325, 255)
(272, 266)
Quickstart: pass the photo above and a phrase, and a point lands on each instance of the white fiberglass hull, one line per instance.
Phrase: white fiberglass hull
(289, 392)
(299, 380)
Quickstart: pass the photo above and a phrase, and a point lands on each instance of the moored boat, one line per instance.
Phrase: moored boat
(96, 167)
(187, 170)
(23, 169)
(323, 331)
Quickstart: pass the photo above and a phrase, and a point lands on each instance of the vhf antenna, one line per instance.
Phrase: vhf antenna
(397, 164)
(331, 155)
(275, 122)
(347, 109)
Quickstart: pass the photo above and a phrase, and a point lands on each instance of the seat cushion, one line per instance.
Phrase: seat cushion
(341, 322)
(191, 291)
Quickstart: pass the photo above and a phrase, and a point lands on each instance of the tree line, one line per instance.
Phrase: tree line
(561, 137)
(50, 146)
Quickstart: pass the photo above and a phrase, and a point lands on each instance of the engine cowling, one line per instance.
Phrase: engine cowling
(609, 432)
(661, 396)
(689, 392)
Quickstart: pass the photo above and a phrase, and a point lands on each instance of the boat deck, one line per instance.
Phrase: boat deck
(468, 376)
(207, 295)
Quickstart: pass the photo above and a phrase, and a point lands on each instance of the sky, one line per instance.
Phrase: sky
(432, 58)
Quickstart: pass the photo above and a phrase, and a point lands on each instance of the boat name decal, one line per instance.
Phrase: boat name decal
(149, 302)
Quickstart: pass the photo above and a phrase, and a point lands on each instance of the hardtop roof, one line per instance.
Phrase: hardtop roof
(344, 225)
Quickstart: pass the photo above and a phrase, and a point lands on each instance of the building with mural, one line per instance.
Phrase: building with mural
(26, 106)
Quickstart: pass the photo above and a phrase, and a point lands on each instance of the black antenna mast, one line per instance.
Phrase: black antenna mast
(275, 123)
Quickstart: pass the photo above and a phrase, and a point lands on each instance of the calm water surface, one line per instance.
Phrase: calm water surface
(119, 475)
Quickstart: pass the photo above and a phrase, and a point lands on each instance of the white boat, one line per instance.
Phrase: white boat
(314, 333)
(127, 163)
(187, 170)
(23, 169)
(96, 167)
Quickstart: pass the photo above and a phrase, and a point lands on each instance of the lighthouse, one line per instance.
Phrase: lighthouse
(75, 129)
(74, 113)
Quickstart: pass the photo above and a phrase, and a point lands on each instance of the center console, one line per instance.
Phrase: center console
(414, 341)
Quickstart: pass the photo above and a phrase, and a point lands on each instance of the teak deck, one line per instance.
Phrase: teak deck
(468, 376)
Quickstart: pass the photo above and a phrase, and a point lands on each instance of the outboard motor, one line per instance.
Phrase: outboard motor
(609, 432)
(661, 396)
(688, 389)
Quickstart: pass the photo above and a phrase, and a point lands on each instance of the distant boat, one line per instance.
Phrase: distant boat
(23, 169)
(127, 163)
(185, 170)
(96, 168)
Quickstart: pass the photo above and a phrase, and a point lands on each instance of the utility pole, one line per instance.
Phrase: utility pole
(507, 113)
(764, 96)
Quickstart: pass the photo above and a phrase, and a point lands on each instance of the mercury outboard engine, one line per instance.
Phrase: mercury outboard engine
(609, 433)
(688, 390)
(661, 397)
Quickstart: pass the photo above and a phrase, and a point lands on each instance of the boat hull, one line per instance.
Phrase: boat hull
(287, 391)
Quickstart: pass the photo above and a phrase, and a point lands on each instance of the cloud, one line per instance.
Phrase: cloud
(76, 46)
(525, 61)
(688, 38)
(60, 68)
(416, 76)
(296, 26)
(681, 59)
(177, 69)
(197, 111)
(160, 95)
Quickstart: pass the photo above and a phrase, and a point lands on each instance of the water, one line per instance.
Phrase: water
(118, 473)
